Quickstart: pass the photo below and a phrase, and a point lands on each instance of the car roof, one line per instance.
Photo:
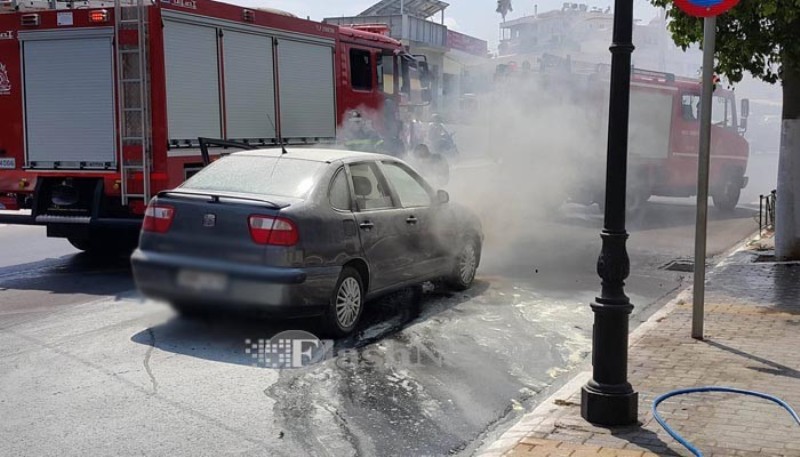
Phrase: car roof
(315, 154)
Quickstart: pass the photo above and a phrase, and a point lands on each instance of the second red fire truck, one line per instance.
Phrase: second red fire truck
(663, 135)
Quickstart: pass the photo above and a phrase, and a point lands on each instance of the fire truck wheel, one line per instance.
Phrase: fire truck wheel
(81, 244)
(106, 246)
(727, 197)
(635, 200)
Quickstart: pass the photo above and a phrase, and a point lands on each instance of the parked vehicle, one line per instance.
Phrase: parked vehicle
(302, 232)
(663, 132)
(102, 107)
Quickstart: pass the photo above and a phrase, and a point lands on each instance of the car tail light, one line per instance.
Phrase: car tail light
(158, 218)
(276, 231)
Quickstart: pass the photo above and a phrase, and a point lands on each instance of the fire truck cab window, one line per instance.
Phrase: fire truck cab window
(360, 69)
(721, 110)
(386, 74)
(721, 114)
(690, 107)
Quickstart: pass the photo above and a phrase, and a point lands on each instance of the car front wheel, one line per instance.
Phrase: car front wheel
(346, 304)
(466, 264)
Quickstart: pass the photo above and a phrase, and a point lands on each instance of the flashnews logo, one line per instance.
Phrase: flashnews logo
(299, 349)
(288, 349)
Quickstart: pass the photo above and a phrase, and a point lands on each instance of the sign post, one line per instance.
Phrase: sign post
(703, 159)
(708, 9)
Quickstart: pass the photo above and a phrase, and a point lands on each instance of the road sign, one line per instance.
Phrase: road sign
(705, 8)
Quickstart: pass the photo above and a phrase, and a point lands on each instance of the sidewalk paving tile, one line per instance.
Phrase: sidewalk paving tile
(752, 341)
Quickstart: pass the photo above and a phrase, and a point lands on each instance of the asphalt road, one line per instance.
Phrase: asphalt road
(87, 367)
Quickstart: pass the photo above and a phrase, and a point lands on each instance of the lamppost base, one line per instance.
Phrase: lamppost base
(603, 408)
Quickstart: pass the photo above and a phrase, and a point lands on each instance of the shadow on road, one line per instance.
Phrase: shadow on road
(654, 215)
(221, 338)
(71, 274)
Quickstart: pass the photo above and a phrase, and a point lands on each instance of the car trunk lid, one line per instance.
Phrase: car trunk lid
(212, 225)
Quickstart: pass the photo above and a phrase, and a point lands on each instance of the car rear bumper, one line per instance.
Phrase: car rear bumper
(285, 291)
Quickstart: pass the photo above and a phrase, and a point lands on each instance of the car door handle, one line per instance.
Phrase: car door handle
(366, 225)
(412, 220)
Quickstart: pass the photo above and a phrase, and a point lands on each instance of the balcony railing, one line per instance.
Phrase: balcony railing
(414, 29)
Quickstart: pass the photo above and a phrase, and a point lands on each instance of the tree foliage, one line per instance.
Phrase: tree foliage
(756, 36)
(504, 7)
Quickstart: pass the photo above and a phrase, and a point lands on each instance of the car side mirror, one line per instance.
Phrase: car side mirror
(442, 196)
(745, 111)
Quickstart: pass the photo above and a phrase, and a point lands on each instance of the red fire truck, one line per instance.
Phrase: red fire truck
(663, 133)
(102, 104)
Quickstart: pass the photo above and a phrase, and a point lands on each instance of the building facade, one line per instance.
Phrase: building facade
(584, 34)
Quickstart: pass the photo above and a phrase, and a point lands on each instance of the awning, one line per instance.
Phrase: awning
(419, 8)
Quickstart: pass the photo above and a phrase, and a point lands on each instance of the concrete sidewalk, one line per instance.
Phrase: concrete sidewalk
(752, 341)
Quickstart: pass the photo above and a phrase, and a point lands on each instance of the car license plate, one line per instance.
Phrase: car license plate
(202, 281)
(8, 163)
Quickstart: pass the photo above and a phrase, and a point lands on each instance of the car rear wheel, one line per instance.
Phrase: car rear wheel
(346, 304)
(466, 264)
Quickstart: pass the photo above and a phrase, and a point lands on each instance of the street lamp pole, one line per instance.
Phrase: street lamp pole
(608, 398)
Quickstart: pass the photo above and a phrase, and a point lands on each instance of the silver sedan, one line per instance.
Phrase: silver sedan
(308, 232)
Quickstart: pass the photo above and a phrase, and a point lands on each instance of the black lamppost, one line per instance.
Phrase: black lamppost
(608, 398)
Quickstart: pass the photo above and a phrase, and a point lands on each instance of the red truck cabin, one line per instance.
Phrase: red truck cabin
(664, 139)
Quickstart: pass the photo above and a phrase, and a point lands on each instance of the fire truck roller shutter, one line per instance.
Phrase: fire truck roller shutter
(193, 106)
(69, 98)
(650, 123)
(249, 86)
(307, 94)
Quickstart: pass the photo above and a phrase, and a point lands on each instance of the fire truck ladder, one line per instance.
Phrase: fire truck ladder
(134, 97)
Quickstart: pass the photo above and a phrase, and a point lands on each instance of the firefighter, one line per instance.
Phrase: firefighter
(358, 135)
(392, 143)
(439, 138)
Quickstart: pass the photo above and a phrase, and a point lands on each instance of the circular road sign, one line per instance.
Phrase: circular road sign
(705, 8)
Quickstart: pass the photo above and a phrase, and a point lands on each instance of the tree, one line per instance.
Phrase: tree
(761, 37)
(504, 7)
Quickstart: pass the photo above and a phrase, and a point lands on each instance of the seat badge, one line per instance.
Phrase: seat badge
(209, 220)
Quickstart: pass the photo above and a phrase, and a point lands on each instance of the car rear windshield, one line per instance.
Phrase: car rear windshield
(257, 175)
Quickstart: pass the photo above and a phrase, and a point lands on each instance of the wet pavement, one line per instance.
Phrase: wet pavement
(750, 340)
(430, 374)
